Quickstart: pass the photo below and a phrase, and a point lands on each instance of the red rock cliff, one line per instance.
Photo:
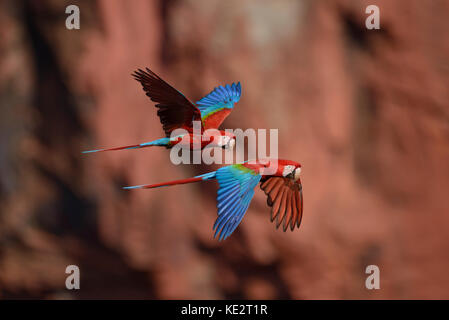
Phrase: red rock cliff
(365, 112)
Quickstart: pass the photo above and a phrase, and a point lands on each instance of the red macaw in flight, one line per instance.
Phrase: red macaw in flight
(280, 180)
(175, 111)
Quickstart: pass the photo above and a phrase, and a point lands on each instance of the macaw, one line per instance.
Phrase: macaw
(236, 189)
(175, 111)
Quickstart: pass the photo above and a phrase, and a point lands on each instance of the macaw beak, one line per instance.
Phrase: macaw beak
(230, 145)
(297, 173)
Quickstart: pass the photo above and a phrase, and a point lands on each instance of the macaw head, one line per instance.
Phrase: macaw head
(291, 169)
(280, 168)
(226, 140)
(219, 138)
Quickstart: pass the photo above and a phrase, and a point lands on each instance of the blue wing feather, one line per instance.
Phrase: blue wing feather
(235, 220)
(219, 98)
(236, 191)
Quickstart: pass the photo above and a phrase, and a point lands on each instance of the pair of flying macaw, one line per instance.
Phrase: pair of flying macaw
(236, 182)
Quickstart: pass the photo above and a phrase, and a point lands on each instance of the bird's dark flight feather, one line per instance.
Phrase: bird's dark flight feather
(284, 196)
(175, 110)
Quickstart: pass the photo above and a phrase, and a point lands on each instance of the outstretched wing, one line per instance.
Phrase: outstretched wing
(236, 190)
(217, 105)
(175, 110)
(285, 199)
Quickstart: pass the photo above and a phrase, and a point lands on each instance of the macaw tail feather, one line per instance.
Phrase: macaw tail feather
(203, 177)
(159, 142)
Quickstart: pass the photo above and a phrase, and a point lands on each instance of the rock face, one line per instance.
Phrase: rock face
(365, 111)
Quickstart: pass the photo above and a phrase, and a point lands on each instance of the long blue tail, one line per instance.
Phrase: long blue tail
(159, 142)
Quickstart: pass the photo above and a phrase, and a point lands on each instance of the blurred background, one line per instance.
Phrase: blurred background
(365, 112)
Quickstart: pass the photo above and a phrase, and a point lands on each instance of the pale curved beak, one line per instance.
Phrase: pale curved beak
(297, 173)
(231, 144)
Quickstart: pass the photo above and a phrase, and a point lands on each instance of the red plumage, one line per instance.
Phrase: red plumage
(215, 120)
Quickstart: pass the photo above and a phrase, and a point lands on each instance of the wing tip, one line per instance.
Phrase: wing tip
(141, 74)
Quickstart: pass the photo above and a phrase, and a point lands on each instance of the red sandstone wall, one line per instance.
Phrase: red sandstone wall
(365, 112)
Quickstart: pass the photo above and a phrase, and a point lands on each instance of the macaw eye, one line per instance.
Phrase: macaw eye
(288, 170)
